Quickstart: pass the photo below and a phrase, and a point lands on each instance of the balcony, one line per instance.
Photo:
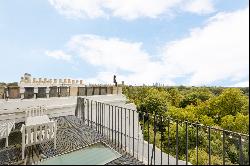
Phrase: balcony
(139, 138)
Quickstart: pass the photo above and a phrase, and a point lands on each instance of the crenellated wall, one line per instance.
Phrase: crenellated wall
(32, 88)
(29, 92)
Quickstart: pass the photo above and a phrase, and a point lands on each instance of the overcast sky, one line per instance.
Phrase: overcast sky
(174, 42)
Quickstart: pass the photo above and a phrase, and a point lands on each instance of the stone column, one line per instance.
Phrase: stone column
(47, 92)
(35, 92)
(22, 90)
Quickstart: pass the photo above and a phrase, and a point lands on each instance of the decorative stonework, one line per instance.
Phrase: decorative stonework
(27, 80)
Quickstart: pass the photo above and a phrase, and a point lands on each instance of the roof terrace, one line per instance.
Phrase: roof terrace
(104, 129)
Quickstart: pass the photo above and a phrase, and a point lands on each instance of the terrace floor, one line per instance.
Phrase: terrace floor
(71, 134)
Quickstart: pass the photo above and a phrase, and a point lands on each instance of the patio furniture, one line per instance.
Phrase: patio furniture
(38, 128)
(35, 111)
(7, 123)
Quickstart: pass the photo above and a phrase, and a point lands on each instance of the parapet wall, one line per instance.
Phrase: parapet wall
(30, 88)
(26, 91)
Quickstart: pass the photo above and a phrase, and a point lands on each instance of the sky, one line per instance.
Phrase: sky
(172, 42)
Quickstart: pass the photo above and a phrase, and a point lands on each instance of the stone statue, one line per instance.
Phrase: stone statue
(115, 80)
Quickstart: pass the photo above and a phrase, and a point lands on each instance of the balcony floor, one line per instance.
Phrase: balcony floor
(71, 134)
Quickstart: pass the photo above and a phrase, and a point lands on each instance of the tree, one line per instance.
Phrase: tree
(230, 102)
(238, 123)
(155, 102)
(196, 96)
(175, 97)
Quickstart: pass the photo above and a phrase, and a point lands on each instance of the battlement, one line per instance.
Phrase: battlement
(29, 87)
(28, 80)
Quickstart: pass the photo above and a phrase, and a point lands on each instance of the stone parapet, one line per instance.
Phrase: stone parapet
(30, 88)
(2, 92)
(14, 92)
(64, 91)
(90, 91)
(53, 91)
(103, 90)
(114, 90)
(73, 91)
(82, 91)
(109, 90)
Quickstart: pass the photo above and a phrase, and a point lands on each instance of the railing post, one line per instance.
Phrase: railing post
(209, 145)
(133, 133)
(161, 136)
(148, 136)
(196, 143)
(168, 139)
(91, 113)
(143, 124)
(155, 116)
(121, 127)
(125, 129)
(88, 112)
(223, 146)
(177, 142)
(109, 122)
(241, 153)
(118, 119)
(83, 110)
(112, 123)
(186, 142)
(96, 105)
(138, 141)
(129, 131)
(115, 126)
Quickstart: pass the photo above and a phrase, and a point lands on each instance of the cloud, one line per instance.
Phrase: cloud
(199, 6)
(241, 84)
(129, 9)
(58, 54)
(217, 51)
(116, 56)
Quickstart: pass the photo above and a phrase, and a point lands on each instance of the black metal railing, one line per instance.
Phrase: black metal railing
(159, 140)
